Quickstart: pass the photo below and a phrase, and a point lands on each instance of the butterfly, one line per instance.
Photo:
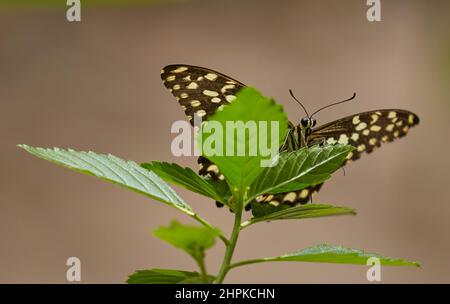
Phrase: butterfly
(201, 91)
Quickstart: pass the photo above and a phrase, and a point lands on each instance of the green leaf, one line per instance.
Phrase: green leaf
(299, 169)
(166, 276)
(342, 255)
(300, 212)
(331, 254)
(113, 169)
(192, 239)
(252, 108)
(209, 279)
(184, 177)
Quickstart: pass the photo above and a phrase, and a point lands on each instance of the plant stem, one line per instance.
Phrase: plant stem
(203, 272)
(206, 224)
(230, 247)
(253, 261)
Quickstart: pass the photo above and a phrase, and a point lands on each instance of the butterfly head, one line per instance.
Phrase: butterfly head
(308, 122)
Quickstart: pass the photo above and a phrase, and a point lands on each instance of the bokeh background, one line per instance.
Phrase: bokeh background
(95, 85)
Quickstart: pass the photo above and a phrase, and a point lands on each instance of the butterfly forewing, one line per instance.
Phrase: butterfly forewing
(199, 90)
(365, 131)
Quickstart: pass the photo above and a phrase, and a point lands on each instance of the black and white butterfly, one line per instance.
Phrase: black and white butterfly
(202, 91)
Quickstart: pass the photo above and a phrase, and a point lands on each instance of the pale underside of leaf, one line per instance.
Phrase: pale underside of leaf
(113, 169)
(302, 212)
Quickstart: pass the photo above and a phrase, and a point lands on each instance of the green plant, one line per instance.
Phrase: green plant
(245, 179)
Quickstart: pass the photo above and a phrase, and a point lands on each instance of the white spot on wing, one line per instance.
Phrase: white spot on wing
(290, 197)
(230, 98)
(390, 127)
(331, 141)
(392, 114)
(304, 193)
(192, 86)
(210, 93)
(268, 198)
(343, 139)
(201, 113)
(361, 126)
(195, 103)
(211, 76)
(372, 141)
(227, 87)
(213, 168)
(274, 203)
(180, 69)
(374, 118)
(259, 199)
(375, 128)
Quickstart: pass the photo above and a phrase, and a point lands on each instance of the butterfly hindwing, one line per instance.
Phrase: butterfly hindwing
(365, 131)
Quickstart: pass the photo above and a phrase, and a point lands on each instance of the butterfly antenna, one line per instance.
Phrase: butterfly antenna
(333, 104)
(304, 109)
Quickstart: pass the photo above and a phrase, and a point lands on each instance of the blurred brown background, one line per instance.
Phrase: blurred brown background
(95, 85)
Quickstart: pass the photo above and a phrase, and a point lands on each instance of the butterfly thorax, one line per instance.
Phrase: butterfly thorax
(299, 135)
